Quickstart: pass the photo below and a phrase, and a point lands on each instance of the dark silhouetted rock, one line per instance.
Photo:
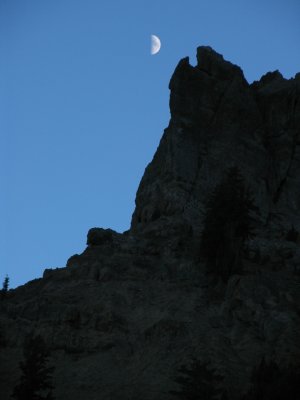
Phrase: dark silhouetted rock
(124, 315)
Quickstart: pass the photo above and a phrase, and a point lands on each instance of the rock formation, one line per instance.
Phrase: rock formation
(124, 315)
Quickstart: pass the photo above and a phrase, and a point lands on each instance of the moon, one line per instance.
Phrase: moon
(155, 44)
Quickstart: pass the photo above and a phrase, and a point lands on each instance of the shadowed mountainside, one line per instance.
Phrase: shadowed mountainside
(124, 315)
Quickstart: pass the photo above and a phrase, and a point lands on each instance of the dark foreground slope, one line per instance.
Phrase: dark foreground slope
(123, 316)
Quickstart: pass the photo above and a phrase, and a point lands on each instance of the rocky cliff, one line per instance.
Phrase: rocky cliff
(121, 317)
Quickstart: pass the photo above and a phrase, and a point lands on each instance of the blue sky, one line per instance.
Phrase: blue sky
(83, 106)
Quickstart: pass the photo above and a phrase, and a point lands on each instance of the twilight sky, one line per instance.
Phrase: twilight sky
(83, 106)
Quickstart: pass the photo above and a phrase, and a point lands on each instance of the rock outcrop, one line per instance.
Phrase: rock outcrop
(122, 316)
(218, 120)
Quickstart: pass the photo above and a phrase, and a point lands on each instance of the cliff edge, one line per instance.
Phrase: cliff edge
(124, 315)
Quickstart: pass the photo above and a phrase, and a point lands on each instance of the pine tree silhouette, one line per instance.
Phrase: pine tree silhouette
(270, 382)
(5, 286)
(227, 225)
(35, 382)
(292, 235)
(198, 383)
(2, 337)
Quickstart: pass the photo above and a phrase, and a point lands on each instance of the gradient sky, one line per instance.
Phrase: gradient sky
(83, 106)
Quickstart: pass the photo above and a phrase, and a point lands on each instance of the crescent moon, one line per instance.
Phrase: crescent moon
(155, 44)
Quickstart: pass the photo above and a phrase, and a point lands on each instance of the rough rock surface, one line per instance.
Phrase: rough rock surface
(218, 120)
(123, 316)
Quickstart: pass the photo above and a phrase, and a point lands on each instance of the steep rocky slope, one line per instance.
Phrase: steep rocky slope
(123, 316)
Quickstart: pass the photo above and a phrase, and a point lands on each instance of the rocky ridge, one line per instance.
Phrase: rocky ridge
(121, 317)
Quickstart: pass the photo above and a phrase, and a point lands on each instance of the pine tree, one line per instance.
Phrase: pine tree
(198, 383)
(2, 337)
(5, 286)
(270, 382)
(227, 225)
(292, 235)
(36, 380)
